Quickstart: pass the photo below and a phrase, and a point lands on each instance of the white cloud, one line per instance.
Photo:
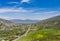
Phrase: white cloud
(13, 2)
(48, 12)
(19, 3)
(21, 13)
(5, 10)
(45, 14)
(8, 10)
(16, 4)
(25, 1)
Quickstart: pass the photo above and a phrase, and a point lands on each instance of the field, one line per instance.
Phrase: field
(46, 30)
(42, 35)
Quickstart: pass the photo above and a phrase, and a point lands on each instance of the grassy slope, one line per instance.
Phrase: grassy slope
(10, 30)
(41, 34)
(53, 24)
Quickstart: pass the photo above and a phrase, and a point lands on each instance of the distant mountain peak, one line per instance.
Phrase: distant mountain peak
(24, 21)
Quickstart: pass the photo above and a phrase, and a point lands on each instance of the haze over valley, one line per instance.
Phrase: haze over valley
(29, 20)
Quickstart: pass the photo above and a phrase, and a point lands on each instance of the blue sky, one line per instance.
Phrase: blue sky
(29, 9)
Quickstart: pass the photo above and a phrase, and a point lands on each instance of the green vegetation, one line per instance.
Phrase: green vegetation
(42, 35)
(10, 31)
(46, 30)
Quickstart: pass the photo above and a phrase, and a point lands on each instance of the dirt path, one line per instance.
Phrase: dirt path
(22, 35)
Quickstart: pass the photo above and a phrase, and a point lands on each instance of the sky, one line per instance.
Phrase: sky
(29, 9)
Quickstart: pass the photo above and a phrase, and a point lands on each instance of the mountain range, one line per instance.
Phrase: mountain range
(24, 21)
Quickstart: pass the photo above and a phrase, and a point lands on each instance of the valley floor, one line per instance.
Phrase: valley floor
(42, 35)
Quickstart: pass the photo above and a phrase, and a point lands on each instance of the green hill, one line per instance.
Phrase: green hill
(46, 30)
(53, 22)
(10, 30)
